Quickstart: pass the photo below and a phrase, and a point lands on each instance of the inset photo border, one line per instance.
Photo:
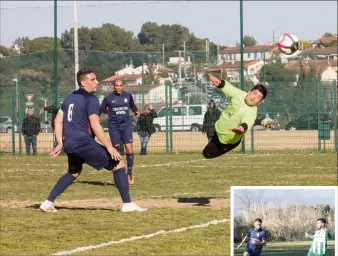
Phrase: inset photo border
(283, 220)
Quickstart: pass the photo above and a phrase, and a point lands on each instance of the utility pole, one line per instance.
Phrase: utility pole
(195, 75)
(76, 44)
(206, 51)
(163, 55)
(179, 67)
(184, 56)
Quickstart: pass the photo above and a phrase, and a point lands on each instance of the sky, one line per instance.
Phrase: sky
(219, 21)
(277, 197)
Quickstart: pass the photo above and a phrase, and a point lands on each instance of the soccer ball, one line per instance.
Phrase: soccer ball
(288, 43)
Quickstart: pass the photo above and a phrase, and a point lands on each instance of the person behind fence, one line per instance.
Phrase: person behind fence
(145, 127)
(210, 118)
(30, 129)
(256, 238)
(237, 118)
(76, 125)
(320, 238)
(117, 105)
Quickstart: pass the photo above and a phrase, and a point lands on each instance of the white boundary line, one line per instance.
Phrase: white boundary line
(232, 205)
(134, 238)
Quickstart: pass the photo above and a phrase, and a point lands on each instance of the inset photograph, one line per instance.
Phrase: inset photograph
(283, 221)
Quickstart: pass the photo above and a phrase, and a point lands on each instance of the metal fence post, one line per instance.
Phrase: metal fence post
(335, 125)
(171, 118)
(13, 118)
(318, 113)
(166, 120)
(252, 140)
(19, 107)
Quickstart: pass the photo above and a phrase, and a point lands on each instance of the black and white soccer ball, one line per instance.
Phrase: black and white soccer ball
(288, 43)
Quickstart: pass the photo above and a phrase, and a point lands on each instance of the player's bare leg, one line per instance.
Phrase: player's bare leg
(130, 162)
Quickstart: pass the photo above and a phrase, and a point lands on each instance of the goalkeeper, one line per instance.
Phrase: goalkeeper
(236, 119)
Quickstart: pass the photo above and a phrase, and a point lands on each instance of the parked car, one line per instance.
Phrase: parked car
(46, 126)
(184, 118)
(308, 122)
(261, 116)
(6, 124)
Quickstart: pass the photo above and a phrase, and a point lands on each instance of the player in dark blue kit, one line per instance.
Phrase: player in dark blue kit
(76, 125)
(256, 239)
(118, 105)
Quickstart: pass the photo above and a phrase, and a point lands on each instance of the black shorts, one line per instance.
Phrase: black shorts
(97, 157)
(215, 148)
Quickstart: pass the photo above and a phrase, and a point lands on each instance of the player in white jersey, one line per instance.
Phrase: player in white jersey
(320, 237)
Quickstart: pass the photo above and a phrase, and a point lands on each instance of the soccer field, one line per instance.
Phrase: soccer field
(188, 199)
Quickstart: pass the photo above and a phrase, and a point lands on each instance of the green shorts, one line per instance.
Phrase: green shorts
(315, 254)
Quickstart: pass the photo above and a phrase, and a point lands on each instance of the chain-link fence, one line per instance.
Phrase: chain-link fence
(179, 91)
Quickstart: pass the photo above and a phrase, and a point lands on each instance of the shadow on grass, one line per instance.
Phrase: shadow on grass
(84, 208)
(197, 201)
(96, 183)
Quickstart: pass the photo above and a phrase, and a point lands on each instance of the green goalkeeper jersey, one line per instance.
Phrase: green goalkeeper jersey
(319, 243)
(236, 113)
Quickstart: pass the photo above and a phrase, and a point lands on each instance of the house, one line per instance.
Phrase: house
(323, 53)
(130, 80)
(128, 70)
(327, 69)
(327, 40)
(157, 68)
(232, 69)
(179, 60)
(257, 52)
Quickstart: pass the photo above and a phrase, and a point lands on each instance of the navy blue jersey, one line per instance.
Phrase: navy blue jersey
(118, 107)
(77, 132)
(256, 236)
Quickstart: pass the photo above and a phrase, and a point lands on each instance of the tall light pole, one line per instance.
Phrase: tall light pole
(76, 44)
(16, 98)
(45, 100)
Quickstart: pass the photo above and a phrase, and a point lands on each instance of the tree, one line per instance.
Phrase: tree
(249, 41)
(40, 44)
(305, 44)
(5, 51)
(147, 34)
(20, 41)
(108, 37)
(150, 76)
(327, 34)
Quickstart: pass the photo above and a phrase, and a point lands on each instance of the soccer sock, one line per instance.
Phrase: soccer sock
(130, 163)
(122, 185)
(63, 183)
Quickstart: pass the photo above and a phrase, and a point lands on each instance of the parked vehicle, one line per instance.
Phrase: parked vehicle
(46, 126)
(6, 124)
(184, 118)
(261, 116)
(308, 122)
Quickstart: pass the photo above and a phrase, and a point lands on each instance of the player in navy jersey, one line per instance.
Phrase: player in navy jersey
(118, 105)
(255, 239)
(76, 125)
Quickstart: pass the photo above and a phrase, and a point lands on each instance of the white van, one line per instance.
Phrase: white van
(184, 118)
